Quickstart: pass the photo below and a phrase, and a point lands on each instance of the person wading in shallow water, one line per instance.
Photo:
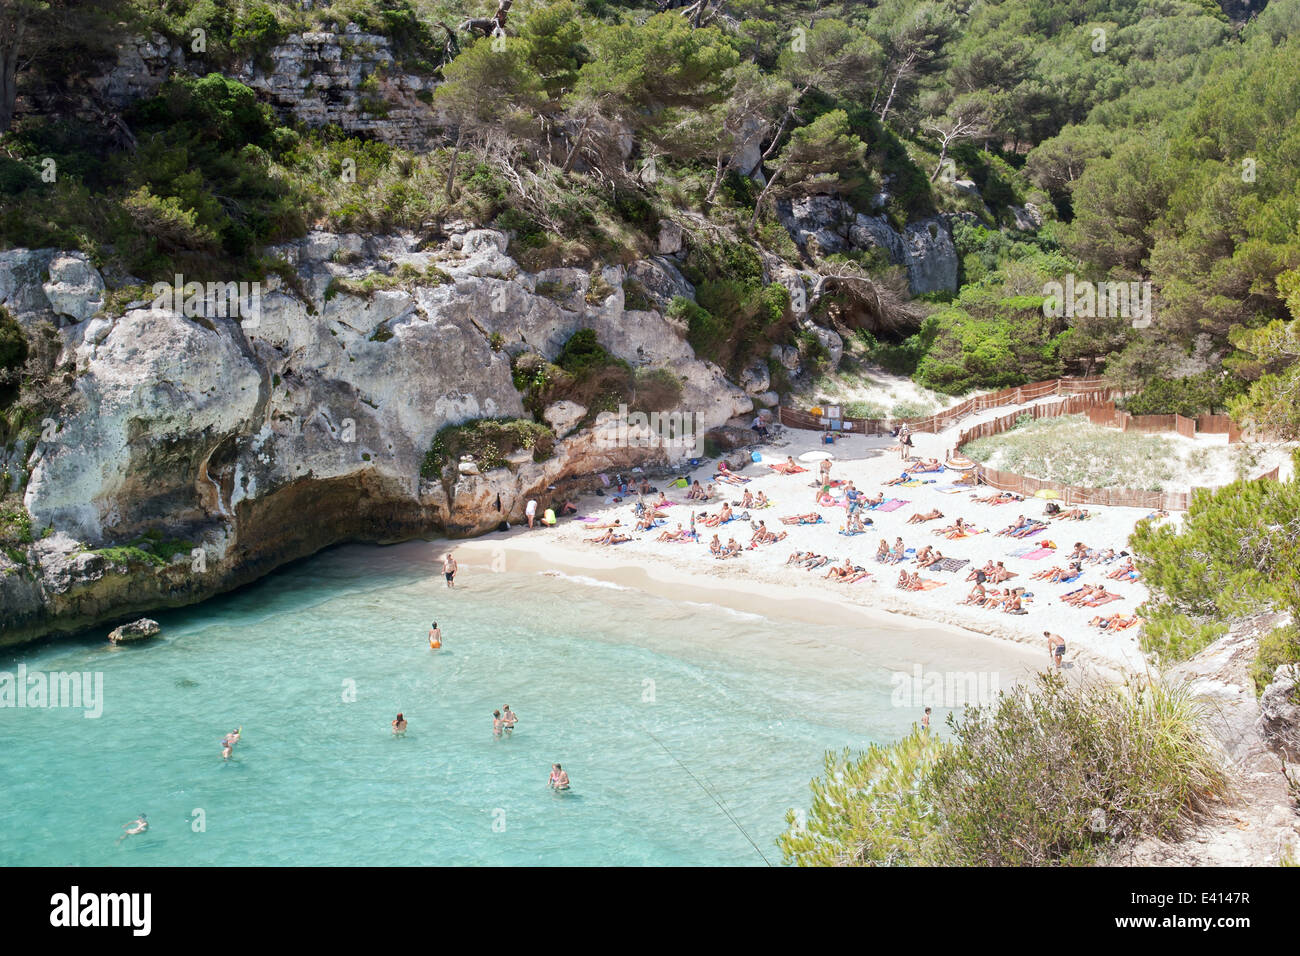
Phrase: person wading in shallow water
(399, 726)
(449, 568)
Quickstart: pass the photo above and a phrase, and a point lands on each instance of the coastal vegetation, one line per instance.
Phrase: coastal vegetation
(1235, 554)
(1053, 773)
(489, 441)
(1113, 119)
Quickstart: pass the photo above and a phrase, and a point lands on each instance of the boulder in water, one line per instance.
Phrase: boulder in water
(135, 631)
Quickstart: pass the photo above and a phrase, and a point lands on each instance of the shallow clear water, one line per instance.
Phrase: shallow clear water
(746, 705)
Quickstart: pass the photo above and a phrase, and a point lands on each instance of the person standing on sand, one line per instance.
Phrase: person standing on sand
(530, 510)
(435, 637)
(1055, 647)
(448, 568)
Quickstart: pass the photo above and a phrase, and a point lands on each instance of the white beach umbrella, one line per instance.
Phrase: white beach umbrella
(816, 456)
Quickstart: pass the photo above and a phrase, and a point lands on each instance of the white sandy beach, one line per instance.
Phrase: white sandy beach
(760, 578)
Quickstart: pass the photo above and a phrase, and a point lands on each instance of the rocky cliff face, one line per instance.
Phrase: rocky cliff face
(349, 79)
(250, 441)
(924, 247)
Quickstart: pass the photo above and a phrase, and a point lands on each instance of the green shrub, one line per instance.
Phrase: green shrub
(1206, 393)
(1051, 773)
(489, 441)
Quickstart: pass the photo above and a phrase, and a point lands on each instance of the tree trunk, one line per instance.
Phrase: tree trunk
(758, 205)
(894, 87)
(9, 74)
(717, 181)
(573, 150)
(455, 154)
(943, 154)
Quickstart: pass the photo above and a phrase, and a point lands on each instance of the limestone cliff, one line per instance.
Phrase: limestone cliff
(242, 443)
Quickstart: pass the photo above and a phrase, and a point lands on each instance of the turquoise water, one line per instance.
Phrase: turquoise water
(746, 704)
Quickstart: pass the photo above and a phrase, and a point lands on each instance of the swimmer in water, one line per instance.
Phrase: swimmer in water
(399, 726)
(227, 748)
(138, 825)
(232, 738)
(497, 723)
(435, 637)
(509, 718)
(559, 779)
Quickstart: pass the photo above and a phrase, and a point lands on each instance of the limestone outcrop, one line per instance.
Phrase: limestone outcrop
(205, 450)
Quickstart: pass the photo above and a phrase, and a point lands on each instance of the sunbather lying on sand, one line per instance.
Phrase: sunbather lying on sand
(809, 518)
(610, 537)
(1085, 595)
(956, 527)
(1076, 513)
(1032, 526)
(877, 499)
(1125, 571)
(1115, 622)
(646, 523)
(920, 518)
(1001, 498)
(1020, 522)
(904, 477)
(722, 517)
(678, 535)
(931, 559)
(788, 467)
(927, 464)
(842, 570)
(616, 523)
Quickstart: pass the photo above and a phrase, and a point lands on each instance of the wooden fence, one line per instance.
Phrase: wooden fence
(1074, 495)
(1079, 387)
(1107, 415)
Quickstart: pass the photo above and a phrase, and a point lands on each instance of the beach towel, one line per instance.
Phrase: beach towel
(1072, 577)
(929, 471)
(952, 489)
(891, 504)
(849, 534)
(1021, 552)
(952, 564)
(786, 469)
(931, 585)
(1038, 554)
(966, 533)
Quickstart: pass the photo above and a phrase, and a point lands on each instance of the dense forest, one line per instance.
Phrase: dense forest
(1155, 140)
